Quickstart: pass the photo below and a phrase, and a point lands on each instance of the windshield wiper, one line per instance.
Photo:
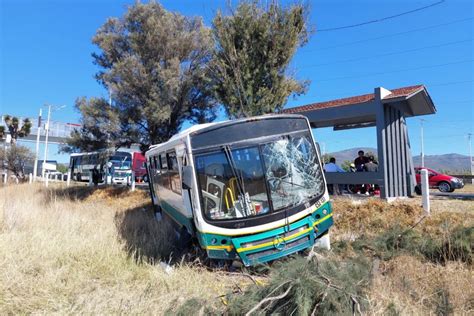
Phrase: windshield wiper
(238, 178)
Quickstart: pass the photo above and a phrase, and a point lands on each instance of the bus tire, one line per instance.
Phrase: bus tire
(184, 240)
(78, 177)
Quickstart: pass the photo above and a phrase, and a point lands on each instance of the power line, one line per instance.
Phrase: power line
(388, 54)
(439, 84)
(388, 35)
(450, 83)
(381, 19)
(397, 71)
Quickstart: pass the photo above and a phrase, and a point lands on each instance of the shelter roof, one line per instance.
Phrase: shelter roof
(360, 110)
(363, 98)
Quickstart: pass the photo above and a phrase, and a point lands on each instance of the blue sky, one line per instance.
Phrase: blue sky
(45, 57)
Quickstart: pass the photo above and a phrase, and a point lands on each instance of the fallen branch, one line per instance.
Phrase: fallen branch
(251, 277)
(355, 304)
(270, 299)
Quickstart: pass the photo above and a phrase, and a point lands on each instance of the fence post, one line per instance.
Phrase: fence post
(68, 180)
(133, 181)
(425, 191)
(30, 178)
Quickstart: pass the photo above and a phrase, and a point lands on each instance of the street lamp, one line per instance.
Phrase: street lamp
(46, 130)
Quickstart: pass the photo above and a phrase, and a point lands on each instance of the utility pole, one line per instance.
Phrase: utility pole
(422, 144)
(46, 131)
(35, 167)
(469, 135)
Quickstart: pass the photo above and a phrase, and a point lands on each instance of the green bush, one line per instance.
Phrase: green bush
(454, 245)
(329, 286)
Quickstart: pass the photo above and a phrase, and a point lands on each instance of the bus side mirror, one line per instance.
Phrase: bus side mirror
(187, 177)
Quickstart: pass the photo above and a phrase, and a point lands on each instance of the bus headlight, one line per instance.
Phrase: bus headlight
(213, 241)
(325, 211)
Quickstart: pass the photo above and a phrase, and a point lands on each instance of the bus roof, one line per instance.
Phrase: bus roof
(201, 128)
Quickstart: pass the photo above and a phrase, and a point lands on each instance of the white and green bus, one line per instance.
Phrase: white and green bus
(251, 189)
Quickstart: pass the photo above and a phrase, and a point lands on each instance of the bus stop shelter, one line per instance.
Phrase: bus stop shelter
(387, 110)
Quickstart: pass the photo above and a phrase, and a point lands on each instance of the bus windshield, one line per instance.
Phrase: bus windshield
(121, 161)
(256, 180)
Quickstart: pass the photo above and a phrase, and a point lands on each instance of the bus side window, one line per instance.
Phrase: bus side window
(151, 164)
(163, 178)
(173, 172)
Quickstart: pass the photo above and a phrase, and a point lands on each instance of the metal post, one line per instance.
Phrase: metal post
(471, 163)
(91, 184)
(30, 178)
(133, 181)
(46, 183)
(35, 167)
(46, 131)
(425, 191)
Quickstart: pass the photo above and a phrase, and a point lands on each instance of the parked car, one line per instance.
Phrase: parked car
(442, 182)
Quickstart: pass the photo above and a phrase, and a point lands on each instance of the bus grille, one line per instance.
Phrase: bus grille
(268, 252)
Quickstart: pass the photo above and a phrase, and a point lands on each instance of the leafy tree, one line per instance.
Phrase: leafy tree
(63, 168)
(100, 127)
(154, 64)
(254, 47)
(14, 158)
(16, 129)
(346, 165)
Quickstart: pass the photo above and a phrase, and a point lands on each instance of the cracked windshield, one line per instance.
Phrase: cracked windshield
(237, 183)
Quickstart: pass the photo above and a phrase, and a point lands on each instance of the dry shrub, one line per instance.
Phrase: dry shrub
(412, 286)
(370, 217)
(374, 216)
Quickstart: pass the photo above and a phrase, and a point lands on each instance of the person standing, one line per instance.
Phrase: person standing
(360, 161)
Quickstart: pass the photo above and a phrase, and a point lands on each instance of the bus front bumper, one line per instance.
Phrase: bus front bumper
(277, 243)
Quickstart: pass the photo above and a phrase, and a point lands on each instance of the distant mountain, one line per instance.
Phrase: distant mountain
(453, 163)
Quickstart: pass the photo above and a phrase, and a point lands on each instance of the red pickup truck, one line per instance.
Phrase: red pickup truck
(442, 182)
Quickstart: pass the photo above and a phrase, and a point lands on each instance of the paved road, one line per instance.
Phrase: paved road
(454, 195)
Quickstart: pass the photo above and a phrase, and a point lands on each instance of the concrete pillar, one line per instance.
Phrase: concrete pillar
(425, 191)
(133, 181)
(68, 180)
(380, 93)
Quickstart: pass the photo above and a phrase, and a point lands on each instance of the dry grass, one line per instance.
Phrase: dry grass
(66, 251)
(373, 216)
(81, 250)
(410, 286)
